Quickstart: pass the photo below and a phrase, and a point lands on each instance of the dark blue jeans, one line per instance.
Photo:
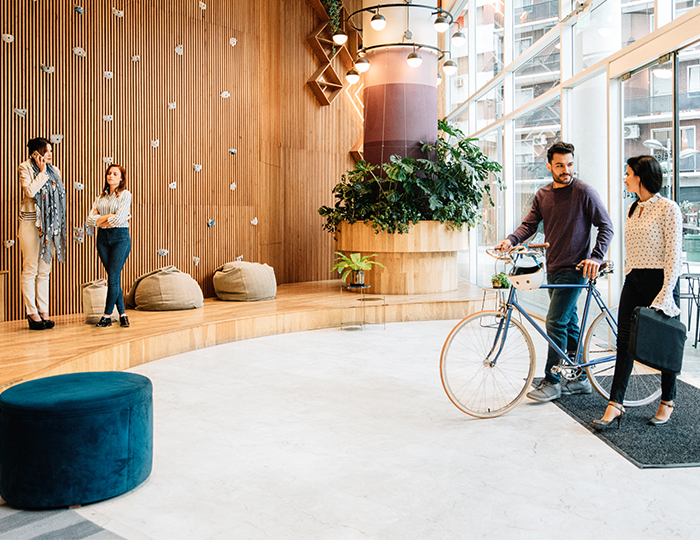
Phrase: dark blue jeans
(113, 247)
(562, 320)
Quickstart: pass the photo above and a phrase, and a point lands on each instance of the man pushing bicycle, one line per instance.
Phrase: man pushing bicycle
(568, 208)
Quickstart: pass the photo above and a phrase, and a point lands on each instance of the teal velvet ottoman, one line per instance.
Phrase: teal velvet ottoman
(75, 439)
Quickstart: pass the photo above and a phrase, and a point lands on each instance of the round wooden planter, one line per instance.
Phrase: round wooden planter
(422, 261)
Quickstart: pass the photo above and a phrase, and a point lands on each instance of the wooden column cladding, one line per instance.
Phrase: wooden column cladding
(289, 150)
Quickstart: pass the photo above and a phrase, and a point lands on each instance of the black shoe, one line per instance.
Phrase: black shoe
(104, 322)
(124, 321)
(48, 323)
(36, 325)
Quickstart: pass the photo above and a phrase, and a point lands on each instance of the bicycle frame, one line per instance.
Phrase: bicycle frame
(512, 304)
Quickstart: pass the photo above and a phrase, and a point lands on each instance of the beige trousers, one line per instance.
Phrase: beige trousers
(35, 272)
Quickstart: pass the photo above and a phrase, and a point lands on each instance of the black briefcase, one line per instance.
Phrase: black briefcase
(657, 340)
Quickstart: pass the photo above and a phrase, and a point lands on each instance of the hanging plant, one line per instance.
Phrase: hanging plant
(333, 8)
(392, 196)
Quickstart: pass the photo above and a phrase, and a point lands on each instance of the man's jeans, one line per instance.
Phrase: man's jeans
(113, 247)
(562, 321)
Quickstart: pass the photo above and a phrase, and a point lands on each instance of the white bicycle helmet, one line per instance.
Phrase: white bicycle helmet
(527, 277)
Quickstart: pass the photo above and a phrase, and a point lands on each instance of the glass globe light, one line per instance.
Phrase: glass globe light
(340, 37)
(458, 39)
(352, 76)
(414, 59)
(378, 22)
(362, 64)
(450, 67)
(441, 24)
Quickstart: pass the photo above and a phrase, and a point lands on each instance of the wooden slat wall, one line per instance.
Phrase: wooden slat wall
(290, 151)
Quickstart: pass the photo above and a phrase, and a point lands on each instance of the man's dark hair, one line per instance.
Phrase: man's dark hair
(38, 144)
(559, 148)
(649, 171)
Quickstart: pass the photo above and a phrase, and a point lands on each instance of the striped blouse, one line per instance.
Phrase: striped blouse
(654, 239)
(120, 206)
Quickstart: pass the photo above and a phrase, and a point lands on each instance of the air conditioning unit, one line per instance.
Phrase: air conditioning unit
(632, 131)
(459, 82)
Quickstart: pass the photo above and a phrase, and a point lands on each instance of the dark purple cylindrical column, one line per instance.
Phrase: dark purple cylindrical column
(400, 104)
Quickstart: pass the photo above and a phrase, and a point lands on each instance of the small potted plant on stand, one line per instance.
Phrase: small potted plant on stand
(354, 266)
(500, 281)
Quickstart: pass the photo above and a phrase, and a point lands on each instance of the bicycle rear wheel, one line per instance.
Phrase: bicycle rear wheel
(601, 346)
(480, 380)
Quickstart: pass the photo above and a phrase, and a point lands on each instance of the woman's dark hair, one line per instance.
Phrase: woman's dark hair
(39, 144)
(649, 171)
(122, 185)
(559, 148)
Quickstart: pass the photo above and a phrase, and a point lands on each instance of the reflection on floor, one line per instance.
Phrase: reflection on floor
(348, 434)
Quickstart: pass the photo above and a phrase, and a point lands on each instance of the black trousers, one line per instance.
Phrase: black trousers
(640, 288)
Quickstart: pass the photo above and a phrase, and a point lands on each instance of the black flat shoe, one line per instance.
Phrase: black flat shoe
(124, 321)
(36, 325)
(104, 322)
(48, 323)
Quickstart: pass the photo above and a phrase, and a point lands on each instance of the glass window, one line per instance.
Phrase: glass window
(538, 75)
(492, 230)
(684, 6)
(489, 41)
(637, 20)
(532, 20)
(459, 82)
(489, 107)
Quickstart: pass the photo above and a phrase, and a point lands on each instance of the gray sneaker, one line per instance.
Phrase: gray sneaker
(576, 387)
(545, 391)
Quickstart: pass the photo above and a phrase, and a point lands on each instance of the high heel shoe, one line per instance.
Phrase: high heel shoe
(598, 424)
(48, 323)
(36, 325)
(654, 421)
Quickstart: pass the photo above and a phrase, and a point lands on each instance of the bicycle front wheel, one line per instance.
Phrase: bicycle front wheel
(644, 385)
(487, 366)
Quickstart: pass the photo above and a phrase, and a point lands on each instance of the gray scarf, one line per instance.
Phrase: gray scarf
(51, 215)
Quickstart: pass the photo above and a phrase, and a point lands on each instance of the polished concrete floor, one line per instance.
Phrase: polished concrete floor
(342, 434)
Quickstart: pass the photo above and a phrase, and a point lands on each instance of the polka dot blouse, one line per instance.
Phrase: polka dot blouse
(654, 239)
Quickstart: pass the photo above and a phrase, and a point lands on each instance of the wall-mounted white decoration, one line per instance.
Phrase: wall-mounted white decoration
(233, 41)
(47, 69)
(155, 143)
(21, 112)
(108, 74)
(135, 58)
(172, 185)
(202, 5)
(233, 186)
(225, 94)
(195, 260)
(197, 167)
(108, 117)
(79, 234)
(56, 138)
(89, 230)
(8, 38)
(239, 258)
(232, 151)
(162, 252)
(117, 12)
(79, 10)
(179, 49)
(254, 222)
(107, 160)
(78, 186)
(9, 243)
(211, 223)
(172, 105)
(79, 51)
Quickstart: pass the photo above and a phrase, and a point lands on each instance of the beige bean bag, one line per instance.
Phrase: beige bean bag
(245, 282)
(94, 296)
(165, 289)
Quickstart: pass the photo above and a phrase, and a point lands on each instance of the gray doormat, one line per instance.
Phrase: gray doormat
(676, 444)
(49, 525)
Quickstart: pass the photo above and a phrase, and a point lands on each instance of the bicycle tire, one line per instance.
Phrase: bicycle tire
(481, 388)
(644, 385)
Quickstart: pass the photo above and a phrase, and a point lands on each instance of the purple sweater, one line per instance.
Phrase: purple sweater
(568, 214)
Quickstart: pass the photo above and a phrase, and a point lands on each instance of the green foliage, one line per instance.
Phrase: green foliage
(448, 185)
(500, 280)
(355, 262)
(332, 8)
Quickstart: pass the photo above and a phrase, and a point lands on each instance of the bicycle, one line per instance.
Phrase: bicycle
(488, 361)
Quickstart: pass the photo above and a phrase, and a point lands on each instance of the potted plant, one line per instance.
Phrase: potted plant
(500, 281)
(354, 266)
